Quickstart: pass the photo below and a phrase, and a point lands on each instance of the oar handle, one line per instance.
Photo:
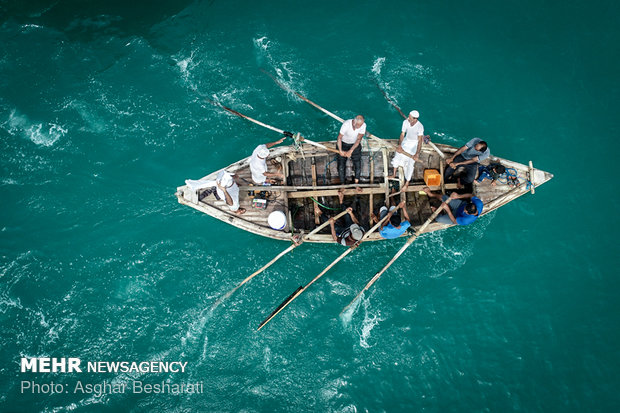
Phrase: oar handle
(241, 115)
(319, 145)
(323, 225)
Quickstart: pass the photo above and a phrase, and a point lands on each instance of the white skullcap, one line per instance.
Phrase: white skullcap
(226, 179)
(263, 152)
(414, 113)
(356, 232)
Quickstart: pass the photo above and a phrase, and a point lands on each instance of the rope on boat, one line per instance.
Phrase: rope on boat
(511, 177)
(324, 206)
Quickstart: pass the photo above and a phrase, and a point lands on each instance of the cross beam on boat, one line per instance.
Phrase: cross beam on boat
(365, 189)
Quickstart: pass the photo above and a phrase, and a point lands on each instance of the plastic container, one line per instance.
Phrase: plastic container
(277, 220)
(432, 177)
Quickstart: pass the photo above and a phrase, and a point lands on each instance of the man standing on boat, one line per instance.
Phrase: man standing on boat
(469, 157)
(457, 211)
(258, 164)
(349, 146)
(393, 226)
(409, 146)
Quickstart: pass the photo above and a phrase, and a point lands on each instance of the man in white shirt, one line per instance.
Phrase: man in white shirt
(226, 189)
(349, 145)
(258, 164)
(409, 145)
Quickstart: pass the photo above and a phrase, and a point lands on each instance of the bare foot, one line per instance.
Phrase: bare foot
(240, 211)
(341, 195)
(358, 189)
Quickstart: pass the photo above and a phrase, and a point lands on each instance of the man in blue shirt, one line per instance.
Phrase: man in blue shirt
(457, 211)
(468, 156)
(392, 227)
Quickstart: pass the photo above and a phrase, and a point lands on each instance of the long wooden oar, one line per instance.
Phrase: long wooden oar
(327, 112)
(389, 99)
(258, 122)
(443, 156)
(277, 257)
(301, 289)
(490, 207)
(398, 254)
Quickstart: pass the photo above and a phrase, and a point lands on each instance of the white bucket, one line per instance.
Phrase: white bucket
(277, 220)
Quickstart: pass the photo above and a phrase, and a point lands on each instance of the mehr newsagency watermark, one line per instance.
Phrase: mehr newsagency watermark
(74, 365)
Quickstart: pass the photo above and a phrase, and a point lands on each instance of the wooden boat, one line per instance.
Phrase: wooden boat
(312, 176)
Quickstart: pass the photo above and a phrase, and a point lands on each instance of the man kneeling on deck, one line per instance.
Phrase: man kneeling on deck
(393, 226)
(457, 211)
(258, 164)
(352, 230)
(225, 189)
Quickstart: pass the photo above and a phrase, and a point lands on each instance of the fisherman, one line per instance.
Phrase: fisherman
(393, 226)
(409, 146)
(469, 157)
(225, 188)
(258, 165)
(457, 211)
(352, 231)
(491, 171)
(349, 146)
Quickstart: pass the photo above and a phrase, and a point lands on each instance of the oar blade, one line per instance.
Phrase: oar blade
(281, 306)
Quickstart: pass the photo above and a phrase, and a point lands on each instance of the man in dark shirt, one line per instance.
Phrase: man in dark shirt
(468, 156)
(457, 211)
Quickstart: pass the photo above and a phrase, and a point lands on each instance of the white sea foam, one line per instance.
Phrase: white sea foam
(398, 79)
(283, 68)
(196, 335)
(185, 65)
(7, 302)
(340, 288)
(370, 321)
(377, 65)
(43, 134)
(262, 43)
(442, 137)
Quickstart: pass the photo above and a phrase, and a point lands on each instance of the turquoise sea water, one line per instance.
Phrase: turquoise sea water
(102, 117)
